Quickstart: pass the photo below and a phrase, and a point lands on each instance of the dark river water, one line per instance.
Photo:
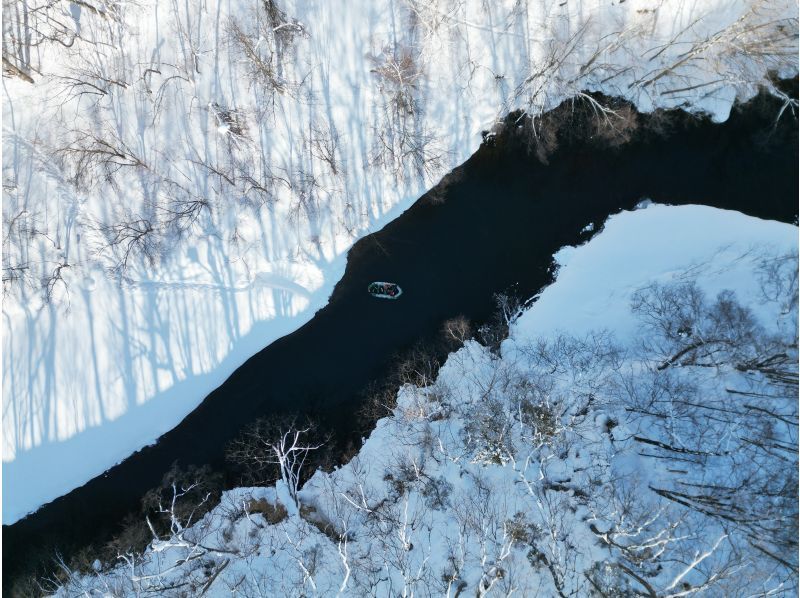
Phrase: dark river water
(498, 226)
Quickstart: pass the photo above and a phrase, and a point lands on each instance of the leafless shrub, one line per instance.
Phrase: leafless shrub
(607, 122)
(129, 239)
(398, 71)
(456, 331)
(540, 133)
(760, 40)
(284, 28)
(437, 493)
(95, 157)
(379, 401)
(568, 357)
(261, 58)
(438, 194)
(261, 191)
(540, 417)
(230, 119)
(399, 145)
(670, 311)
(19, 227)
(183, 497)
(264, 41)
(690, 331)
(508, 307)
(14, 275)
(524, 531)
(320, 521)
(661, 122)
(610, 579)
(256, 185)
(77, 87)
(31, 586)
(180, 210)
(615, 127)
(778, 279)
(26, 27)
(488, 431)
(399, 140)
(401, 475)
(91, 76)
(325, 147)
(53, 280)
(44, 275)
(418, 366)
(273, 449)
(272, 513)
(306, 192)
(133, 537)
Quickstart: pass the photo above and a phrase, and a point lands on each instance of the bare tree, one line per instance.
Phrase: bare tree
(274, 446)
(456, 331)
(732, 453)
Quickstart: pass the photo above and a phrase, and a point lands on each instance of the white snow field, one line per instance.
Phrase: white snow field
(181, 181)
(535, 473)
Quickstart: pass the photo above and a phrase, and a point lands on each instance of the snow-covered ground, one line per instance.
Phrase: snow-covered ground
(535, 472)
(182, 180)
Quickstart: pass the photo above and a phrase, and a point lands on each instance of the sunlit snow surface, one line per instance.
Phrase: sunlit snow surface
(658, 244)
(108, 365)
(420, 502)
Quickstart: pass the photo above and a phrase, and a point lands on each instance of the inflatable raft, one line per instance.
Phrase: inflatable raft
(384, 290)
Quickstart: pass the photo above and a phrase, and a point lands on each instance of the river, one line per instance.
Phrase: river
(499, 223)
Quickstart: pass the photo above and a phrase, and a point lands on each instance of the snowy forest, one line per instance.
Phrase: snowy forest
(182, 183)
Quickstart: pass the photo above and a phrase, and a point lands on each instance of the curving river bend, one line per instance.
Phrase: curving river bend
(501, 220)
